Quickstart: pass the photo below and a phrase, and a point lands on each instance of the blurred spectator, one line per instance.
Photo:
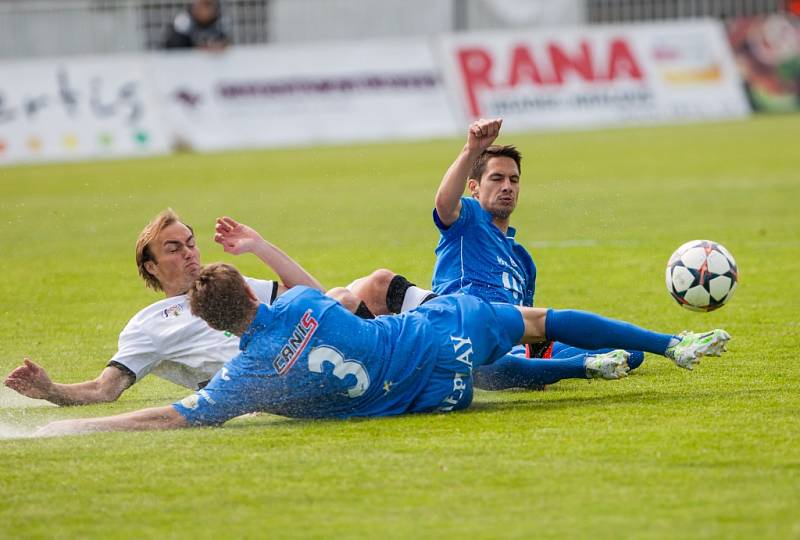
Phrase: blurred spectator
(200, 25)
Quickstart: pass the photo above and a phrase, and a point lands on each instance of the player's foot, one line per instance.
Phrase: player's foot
(691, 347)
(610, 365)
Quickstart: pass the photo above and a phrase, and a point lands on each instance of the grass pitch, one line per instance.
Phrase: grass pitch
(663, 454)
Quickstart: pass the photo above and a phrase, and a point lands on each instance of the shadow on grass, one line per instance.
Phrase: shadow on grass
(538, 402)
(531, 401)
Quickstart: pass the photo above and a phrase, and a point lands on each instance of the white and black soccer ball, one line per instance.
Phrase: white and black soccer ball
(702, 275)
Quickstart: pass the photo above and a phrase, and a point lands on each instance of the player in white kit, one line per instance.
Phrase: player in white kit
(164, 338)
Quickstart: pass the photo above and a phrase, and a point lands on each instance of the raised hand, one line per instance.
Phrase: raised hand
(30, 380)
(482, 133)
(236, 238)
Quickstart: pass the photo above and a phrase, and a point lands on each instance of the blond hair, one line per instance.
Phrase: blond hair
(146, 237)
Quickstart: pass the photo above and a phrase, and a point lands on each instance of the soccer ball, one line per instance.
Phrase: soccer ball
(702, 275)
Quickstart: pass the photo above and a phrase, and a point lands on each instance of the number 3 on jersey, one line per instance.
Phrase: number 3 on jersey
(341, 368)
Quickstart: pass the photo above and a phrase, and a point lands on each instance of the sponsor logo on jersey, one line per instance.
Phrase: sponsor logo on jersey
(462, 346)
(460, 388)
(173, 311)
(296, 343)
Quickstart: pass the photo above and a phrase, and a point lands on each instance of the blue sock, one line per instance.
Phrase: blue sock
(512, 371)
(590, 331)
(565, 351)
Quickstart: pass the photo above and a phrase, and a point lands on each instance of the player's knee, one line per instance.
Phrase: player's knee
(379, 280)
(373, 285)
(345, 297)
(372, 289)
(535, 321)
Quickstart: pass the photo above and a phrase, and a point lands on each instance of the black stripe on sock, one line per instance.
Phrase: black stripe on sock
(396, 292)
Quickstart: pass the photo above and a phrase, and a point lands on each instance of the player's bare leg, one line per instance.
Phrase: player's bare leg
(534, 319)
(385, 292)
(351, 302)
(372, 290)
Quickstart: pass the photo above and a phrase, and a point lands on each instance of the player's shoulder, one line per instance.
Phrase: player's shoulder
(299, 292)
(266, 290)
(470, 208)
(300, 299)
(472, 213)
(470, 202)
(172, 307)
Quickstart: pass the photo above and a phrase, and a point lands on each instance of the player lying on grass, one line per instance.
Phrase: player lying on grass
(309, 356)
(478, 255)
(165, 338)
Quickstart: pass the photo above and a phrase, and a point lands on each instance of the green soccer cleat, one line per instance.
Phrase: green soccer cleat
(610, 366)
(691, 347)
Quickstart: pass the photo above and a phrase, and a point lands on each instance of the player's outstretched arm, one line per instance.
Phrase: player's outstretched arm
(237, 238)
(31, 380)
(157, 418)
(480, 136)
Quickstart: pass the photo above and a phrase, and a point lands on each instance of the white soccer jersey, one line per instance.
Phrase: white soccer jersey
(167, 340)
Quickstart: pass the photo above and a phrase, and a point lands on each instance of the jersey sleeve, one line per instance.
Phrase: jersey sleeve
(226, 396)
(136, 351)
(266, 290)
(465, 217)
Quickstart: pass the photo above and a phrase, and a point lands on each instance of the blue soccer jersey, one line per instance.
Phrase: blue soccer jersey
(306, 356)
(474, 257)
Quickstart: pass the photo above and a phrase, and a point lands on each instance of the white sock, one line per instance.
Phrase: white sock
(414, 298)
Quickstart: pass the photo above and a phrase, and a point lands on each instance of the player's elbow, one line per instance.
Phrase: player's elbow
(344, 297)
(446, 209)
(107, 393)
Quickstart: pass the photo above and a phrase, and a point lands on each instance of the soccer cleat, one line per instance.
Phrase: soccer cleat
(610, 366)
(691, 347)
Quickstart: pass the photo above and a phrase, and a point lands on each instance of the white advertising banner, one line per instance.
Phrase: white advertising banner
(78, 108)
(339, 92)
(302, 94)
(592, 76)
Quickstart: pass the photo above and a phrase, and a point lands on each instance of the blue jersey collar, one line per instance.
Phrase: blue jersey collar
(261, 321)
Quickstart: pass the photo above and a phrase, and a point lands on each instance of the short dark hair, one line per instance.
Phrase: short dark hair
(219, 297)
(509, 151)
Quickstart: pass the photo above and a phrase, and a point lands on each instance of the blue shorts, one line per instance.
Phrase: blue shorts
(471, 333)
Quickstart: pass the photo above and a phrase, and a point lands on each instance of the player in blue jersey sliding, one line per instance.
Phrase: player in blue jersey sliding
(477, 254)
(308, 356)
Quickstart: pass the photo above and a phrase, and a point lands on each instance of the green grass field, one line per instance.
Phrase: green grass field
(666, 453)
